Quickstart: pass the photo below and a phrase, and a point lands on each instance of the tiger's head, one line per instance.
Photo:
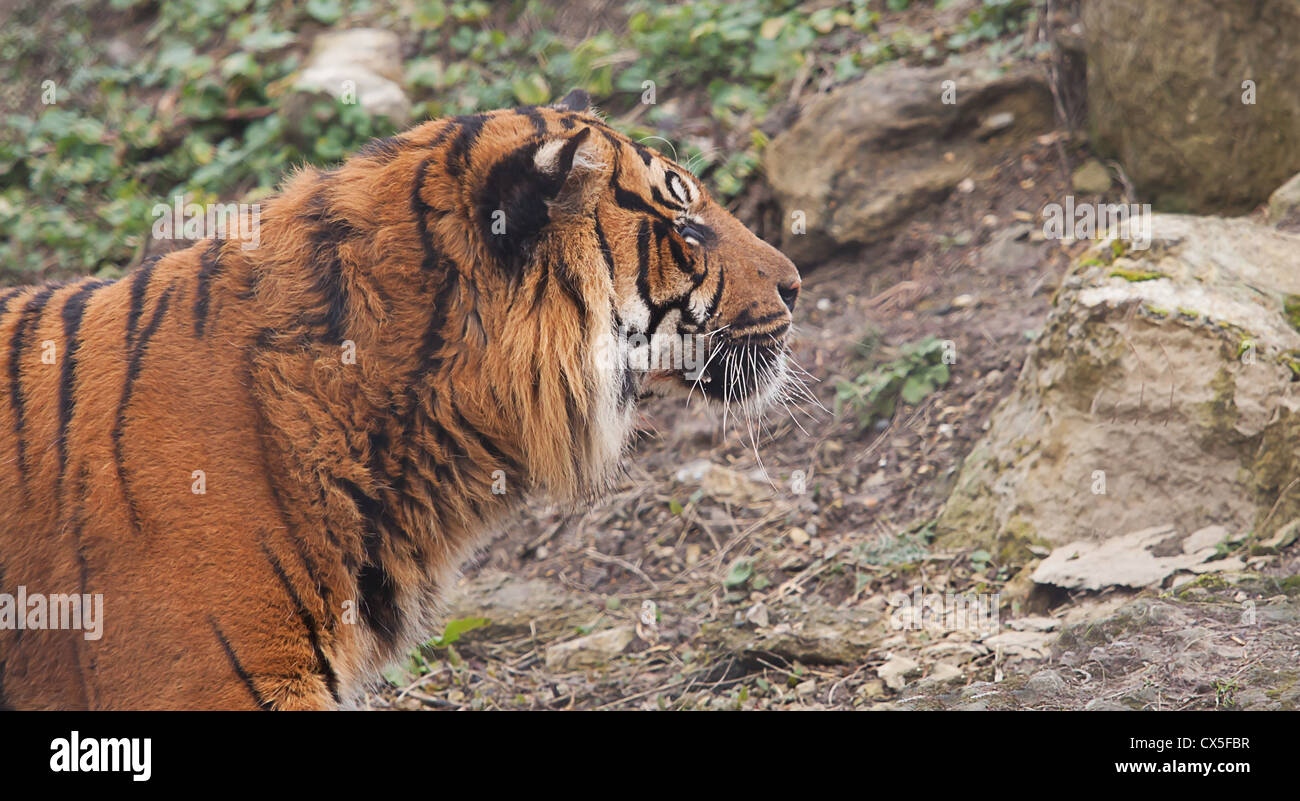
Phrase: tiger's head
(698, 301)
(572, 271)
(702, 302)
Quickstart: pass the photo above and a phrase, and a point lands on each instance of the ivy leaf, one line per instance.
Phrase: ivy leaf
(914, 390)
(265, 39)
(532, 89)
(327, 12)
(455, 628)
(740, 571)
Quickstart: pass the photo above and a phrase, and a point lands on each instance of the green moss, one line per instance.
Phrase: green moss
(1222, 409)
(1136, 275)
(1094, 633)
(1014, 541)
(1273, 466)
(1291, 305)
(1287, 681)
(1290, 585)
(1201, 585)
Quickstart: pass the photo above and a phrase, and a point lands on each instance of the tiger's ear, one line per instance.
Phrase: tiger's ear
(577, 100)
(577, 164)
(534, 187)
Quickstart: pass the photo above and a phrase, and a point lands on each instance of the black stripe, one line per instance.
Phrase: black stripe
(455, 450)
(370, 509)
(382, 150)
(137, 352)
(432, 340)
(377, 596)
(73, 309)
(578, 425)
(644, 152)
(420, 210)
(663, 201)
(631, 201)
(7, 296)
(679, 255)
(77, 522)
(427, 358)
(604, 247)
(134, 364)
(539, 289)
(676, 186)
(717, 293)
(376, 588)
(286, 520)
(209, 268)
(611, 136)
(569, 283)
(239, 668)
(458, 154)
(443, 133)
(535, 117)
(139, 287)
(308, 621)
(27, 322)
(330, 283)
(309, 564)
(643, 263)
(487, 444)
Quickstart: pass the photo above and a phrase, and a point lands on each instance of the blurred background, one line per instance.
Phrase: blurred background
(1010, 401)
(213, 98)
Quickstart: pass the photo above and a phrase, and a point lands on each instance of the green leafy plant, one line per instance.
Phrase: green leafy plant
(906, 547)
(740, 572)
(991, 20)
(201, 103)
(455, 628)
(919, 370)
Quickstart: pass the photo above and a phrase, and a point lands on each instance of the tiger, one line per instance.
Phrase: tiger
(269, 462)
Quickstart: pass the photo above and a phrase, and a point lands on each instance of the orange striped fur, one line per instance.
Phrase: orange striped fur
(340, 495)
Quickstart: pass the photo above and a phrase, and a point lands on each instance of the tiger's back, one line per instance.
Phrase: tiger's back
(98, 447)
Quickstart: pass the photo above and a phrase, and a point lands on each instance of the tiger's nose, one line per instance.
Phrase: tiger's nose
(789, 293)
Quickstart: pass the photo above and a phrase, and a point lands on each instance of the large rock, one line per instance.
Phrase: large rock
(514, 605)
(591, 651)
(864, 158)
(1165, 97)
(1284, 205)
(361, 65)
(804, 630)
(1143, 558)
(1160, 392)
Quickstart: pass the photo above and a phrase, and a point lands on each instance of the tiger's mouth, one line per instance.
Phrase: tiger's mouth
(752, 370)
